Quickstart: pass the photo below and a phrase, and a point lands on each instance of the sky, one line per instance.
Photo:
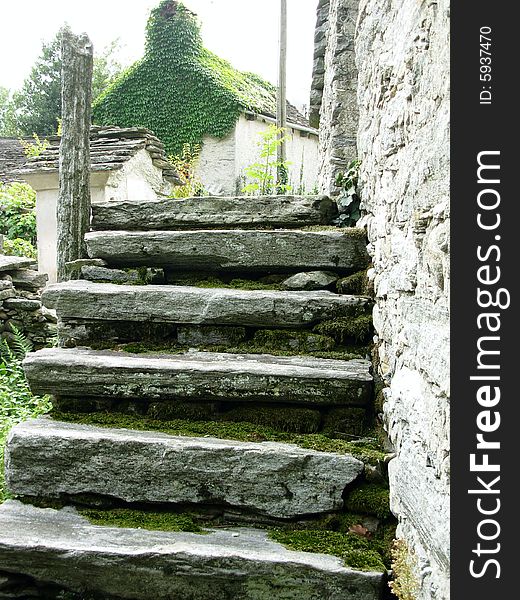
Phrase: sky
(245, 32)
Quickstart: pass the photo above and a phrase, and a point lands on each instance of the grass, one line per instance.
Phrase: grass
(17, 403)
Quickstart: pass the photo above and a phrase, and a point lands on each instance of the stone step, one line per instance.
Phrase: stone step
(214, 212)
(51, 459)
(198, 306)
(203, 376)
(63, 548)
(237, 250)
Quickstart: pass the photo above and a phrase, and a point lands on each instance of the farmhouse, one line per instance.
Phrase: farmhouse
(188, 95)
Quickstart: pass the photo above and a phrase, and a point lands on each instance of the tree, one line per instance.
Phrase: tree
(8, 126)
(107, 68)
(38, 104)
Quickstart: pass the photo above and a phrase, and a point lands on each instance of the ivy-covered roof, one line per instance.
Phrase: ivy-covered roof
(182, 91)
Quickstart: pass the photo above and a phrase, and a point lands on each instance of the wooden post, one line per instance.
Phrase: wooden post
(281, 116)
(73, 210)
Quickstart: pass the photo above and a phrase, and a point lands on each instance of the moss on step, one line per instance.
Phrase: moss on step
(287, 340)
(188, 411)
(298, 420)
(356, 552)
(370, 498)
(141, 519)
(355, 284)
(211, 281)
(368, 452)
(343, 329)
(345, 420)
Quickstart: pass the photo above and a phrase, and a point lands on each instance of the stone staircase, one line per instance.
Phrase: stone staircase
(211, 412)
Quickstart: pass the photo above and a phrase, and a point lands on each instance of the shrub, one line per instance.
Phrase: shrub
(17, 403)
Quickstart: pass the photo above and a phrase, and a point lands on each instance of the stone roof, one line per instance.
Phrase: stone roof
(110, 149)
(12, 158)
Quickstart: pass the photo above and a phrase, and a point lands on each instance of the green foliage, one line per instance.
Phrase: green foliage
(19, 247)
(18, 219)
(38, 104)
(142, 519)
(349, 200)
(8, 127)
(107, 68)
(180, 90)
(36, 148)
(268, 175)
(186, 164)
(36, 108)
(17, 403)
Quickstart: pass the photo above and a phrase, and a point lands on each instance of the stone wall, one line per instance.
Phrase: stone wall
(20, 303)
(333, 101)
(402, 51)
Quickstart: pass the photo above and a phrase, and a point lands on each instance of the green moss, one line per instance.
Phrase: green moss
(249, 432)
(353, 232)
(355, 284)
(346, 420)
(356, 552)
(298, 420)
(140, 519)
(370, 499)
(342, 329)
(188, 411)
(286, 340)
(150, 347)
(211, 281)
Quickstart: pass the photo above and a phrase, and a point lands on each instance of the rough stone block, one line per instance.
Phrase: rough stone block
(212, 212)
(199, 376)
(63, 548)
(48, 458)
(235, 250)
(197, 306)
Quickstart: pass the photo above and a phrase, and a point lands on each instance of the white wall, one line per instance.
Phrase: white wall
(222, 162)
(138, 179)
(300, 150)
(216, 165)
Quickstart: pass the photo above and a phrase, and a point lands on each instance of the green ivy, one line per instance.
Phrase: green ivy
(180, 90)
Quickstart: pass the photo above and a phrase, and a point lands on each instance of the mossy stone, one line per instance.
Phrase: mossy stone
(371, 499)
(346, 420)
(343, 329)
(297, 420)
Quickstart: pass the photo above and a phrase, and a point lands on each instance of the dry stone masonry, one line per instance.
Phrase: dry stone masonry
(20, 302)
(403, 61)
(219, 376)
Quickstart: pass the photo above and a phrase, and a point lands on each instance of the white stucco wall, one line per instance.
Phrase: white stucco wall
(138, 179)
(216, 165)
(222, 162)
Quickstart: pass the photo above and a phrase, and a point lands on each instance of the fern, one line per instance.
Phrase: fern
(21, 345)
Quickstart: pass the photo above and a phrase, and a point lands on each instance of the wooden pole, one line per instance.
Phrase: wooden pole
(73, 210)
(281, 116)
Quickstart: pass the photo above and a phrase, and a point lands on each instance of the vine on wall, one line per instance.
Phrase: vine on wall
(179, 89)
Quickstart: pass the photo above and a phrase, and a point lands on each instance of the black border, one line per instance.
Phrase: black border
(476, 127)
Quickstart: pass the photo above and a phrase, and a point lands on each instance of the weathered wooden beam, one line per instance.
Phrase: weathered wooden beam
(73, 211)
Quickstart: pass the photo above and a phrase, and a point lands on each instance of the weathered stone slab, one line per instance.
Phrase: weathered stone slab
(44, 458)
(197, 306)
(315, 280)
(9, 263)
(28, 279)
(214, 212)
(199, 376)
(233, 250)
(63, 548)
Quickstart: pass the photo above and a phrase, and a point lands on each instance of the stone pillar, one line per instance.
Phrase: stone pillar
(334, 89)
